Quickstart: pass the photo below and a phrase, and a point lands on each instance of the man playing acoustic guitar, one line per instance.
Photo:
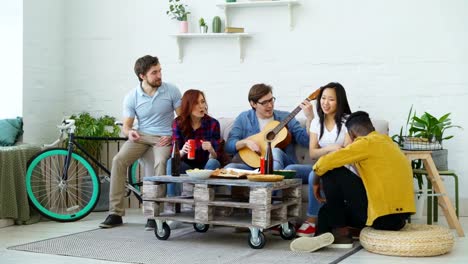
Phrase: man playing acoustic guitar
(248, 134)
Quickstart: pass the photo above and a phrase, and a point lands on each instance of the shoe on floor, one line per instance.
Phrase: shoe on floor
(342, 242)
(306, 230)
(150, 225)
(112, 220)
(354, 232)
(311, 244)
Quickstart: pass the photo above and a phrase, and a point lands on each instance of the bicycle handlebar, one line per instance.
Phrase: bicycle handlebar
(66, 124)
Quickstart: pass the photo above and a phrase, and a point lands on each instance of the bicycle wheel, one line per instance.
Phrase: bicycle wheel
(132, 178)
(133, 175)
(58, 199)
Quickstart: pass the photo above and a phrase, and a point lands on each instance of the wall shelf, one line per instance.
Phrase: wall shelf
(239, 36)
(287, 3)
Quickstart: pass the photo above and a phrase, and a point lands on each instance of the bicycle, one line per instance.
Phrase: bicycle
(62, 185)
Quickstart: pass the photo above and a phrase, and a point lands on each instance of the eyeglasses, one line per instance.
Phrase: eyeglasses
(265, 102)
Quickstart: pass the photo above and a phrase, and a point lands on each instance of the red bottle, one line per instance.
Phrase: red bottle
(262, 165)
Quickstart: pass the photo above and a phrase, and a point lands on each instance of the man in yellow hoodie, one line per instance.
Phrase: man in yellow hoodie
(381, 196)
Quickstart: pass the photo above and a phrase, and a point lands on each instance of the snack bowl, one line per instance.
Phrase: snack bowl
(288, 174)
(199, 174)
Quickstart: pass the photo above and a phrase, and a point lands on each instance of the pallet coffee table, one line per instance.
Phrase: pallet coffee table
(248, 204)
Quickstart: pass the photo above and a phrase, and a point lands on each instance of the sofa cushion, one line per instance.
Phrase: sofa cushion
(10, 130)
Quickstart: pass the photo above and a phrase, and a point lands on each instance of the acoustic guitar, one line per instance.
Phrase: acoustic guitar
(274, 131)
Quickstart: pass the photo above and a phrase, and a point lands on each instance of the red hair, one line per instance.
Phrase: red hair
(189, 101)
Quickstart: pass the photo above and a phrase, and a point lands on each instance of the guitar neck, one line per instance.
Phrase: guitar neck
(285, 121)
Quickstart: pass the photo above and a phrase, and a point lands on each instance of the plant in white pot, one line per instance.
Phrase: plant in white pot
(178, 11)
(203, 26)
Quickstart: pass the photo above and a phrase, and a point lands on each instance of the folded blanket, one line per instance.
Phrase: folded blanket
(10, 130)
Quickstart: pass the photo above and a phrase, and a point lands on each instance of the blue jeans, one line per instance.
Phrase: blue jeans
(174, 189)
(305, 172)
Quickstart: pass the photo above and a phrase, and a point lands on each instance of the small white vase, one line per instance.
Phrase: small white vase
(203, 29)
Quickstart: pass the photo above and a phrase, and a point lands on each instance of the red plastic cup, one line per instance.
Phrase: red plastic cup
(262, 165)
(191, 153)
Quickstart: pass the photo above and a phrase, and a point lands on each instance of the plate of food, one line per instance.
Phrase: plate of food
(233, 173)
(265, 177)
(199, 174)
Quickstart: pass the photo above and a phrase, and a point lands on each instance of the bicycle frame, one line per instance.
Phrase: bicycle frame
(68, 127)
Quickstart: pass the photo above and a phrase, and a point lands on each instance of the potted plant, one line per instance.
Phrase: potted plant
(89, 126)
(203, 26)
(426, 132)
(179, 12)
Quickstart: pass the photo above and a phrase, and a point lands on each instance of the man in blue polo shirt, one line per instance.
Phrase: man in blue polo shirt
(152, 103)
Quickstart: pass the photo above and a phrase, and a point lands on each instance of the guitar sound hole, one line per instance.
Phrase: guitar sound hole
(270, 136)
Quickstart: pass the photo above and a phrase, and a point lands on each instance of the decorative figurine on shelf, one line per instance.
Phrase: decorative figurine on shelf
(203, 26)
(216, 25)
(178, 11)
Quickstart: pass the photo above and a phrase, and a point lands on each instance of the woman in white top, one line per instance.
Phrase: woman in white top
(327, 134)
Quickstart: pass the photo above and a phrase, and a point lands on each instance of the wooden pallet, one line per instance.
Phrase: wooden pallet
(250, 204)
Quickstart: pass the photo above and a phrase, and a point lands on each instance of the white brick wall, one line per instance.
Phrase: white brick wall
(389, 55)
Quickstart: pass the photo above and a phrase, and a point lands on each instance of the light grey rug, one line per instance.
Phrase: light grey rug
(130, 243)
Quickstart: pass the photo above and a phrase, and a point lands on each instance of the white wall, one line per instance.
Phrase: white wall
(43, 73)
(389, 55)
(11, 62)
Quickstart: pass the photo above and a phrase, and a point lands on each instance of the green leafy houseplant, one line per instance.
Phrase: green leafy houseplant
(426, 132)
(432, 128)
(177, 10)
(426, 127)
(203, 26)
(89, 126)
(201, 22)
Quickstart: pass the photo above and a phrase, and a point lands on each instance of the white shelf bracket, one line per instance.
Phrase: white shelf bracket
(179, 49)
(241, 49)
(226, 23)
(290, 10)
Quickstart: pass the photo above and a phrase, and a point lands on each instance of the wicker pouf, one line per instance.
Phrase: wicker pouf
(414, 240)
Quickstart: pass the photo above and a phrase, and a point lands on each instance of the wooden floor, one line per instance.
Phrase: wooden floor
(15, 235)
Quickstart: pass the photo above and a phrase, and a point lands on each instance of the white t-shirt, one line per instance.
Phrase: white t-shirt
(328, 137)
(263, 122)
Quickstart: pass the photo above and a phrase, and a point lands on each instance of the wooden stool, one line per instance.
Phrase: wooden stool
(414, 240)
(432, 200)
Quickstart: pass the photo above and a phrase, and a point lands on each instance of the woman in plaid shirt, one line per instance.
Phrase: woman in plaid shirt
(194, 123)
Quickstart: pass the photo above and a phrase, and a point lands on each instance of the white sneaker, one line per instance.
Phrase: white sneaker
(311, 244)
(173, 224)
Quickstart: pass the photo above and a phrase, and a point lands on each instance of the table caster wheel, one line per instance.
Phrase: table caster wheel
(164, 233)
(202, 228)
(257, 242)
(289, 232)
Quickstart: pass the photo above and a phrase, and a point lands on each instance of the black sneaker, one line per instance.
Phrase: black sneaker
(111, 221)
(342, 242)
(150, 225)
